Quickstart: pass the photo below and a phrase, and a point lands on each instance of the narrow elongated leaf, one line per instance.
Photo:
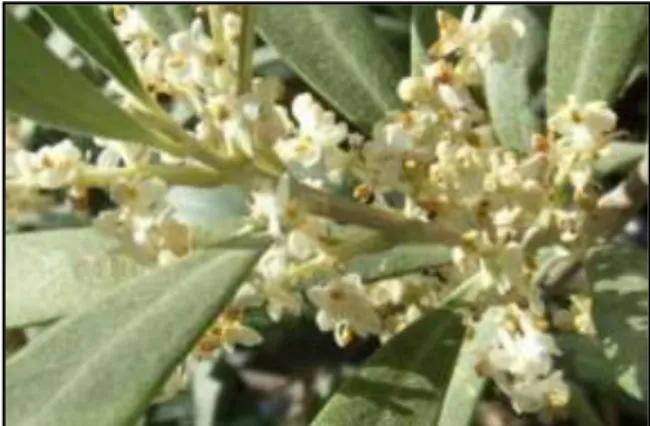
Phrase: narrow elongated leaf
(616, 360)
(207, 206)
(405, 381)
(87, 26)
(507, 83)
(619, 275)
(166, 19)
(103, 366)
(581, 410)
(423, 33)
(340, 53)
(622, 157)
(42, 88)
(591, 50)
(398, 10)
(52, 274)
(466, 387)
(399, 260)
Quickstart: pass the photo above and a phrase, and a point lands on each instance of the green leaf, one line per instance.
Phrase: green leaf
(466, 387)
(42, 88)
(207, 206)
(166, 19)
(87, 26)
(616, 361)
(581, 409)
(591, 50)
(399, 260)
(423, 33)
(103, 366)
(340, 53)
(619, 276)
(52, 274)
(622, 157)
(507, 84)
(405, 381)
(398, 10)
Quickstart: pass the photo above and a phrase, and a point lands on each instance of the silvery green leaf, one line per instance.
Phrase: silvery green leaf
(508, 88)
(52, 274)
(42, 88)
(619, 276)
(103, 366)
(466, 387)
(614, 361)
(405, 381)
(346, 58)
(89, 29)
(207, 206)
(592, 49)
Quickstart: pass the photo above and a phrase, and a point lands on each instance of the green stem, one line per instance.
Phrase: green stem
(188, 146)
(246, 46)
(468, 290)
(175, 175)
(395, 228)
(215, 18)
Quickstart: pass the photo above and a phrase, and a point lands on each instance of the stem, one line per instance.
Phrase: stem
(355, 245)
(466, 291)
(395, 228)
(215, 17)
(160, 120)
(175, 175)
(246, 46)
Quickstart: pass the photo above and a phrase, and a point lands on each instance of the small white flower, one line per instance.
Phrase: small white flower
(231, 26)
(52, 166)
(116, 151)
(344, 300)
(526, 352)
(273, 288)
(531, 396)
(139, 196)
(490, 37)
(131, 24)
(317, 132)
(300, 246)
(274, 206)
(387, 292)
(414, 90)
(583, 127)
(235, 333)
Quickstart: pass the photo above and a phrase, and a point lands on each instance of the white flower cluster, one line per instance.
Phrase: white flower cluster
(23, 204)
(521, 363)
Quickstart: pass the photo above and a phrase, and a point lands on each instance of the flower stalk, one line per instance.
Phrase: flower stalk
(246, 47)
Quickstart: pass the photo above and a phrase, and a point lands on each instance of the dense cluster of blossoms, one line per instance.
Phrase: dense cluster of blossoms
(437, 162)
